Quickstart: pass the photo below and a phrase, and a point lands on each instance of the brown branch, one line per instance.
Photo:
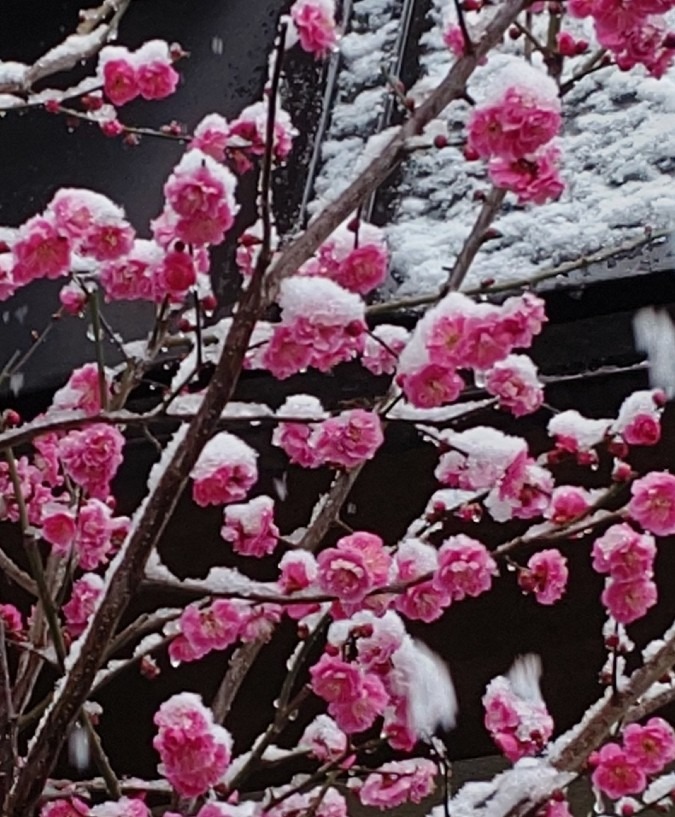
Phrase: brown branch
(127, 571)
(8, 746)
(14, 572)
(474, 240)
(452, 87)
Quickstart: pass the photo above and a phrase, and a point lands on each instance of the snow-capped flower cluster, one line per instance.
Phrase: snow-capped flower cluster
(639, 418)
(461, 334)
(623, 769)
(634, 32)
(78, 610)
(398, 782)
(321, 325)
(225, 471)
(628, 558)
(343, 441)
(515, 713)
(195, 752)
(513, 131)
(147, 72)
(383, 347)
(250, 527)
(314, 21)
(355, 257)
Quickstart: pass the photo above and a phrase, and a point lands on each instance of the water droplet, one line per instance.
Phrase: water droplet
(511, 568)
(293, 715)
(91, 335)
(275, 703)
(479, 378)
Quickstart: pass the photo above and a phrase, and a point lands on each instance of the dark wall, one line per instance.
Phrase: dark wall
(228, 42)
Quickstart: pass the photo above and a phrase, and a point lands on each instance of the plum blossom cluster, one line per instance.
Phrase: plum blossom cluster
(546, 576)
(355, 257)
(398, 782)
(241, 142)
(486, 459)
(314, 22)
(195, 752)
(250, 527)
(624, 769)
(322, 324)
(147, 72)
(513, 133)
(515, 713)
(627, 557)
(225, 471)
(461, 334)
(344, 441)
(372, 669)
(635, 33)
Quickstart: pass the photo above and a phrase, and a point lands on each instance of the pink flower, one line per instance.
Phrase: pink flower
(350, 438)
(364, 269)
(324, 739)
(431, 386)
(629, 600)
(211, 628)
(82, 391)
(12, 620)
(652, 746)
(465, 568)
(616, 775)
(210, 136)
(120, 82)
(195, 752)
(297, 571)
(335, 680)
(624, 553)
(359, 712)
(73, 807)
(91, 457)
(250, 527)
(567, 503)
(546, 576)
(82, 604)
(398, 782)
(124, 807)
(40, 252)
(343, 573)
(134, 276)
(315, 23)
(514, 381)
(156, 79)
(533, 178)
(174, 276)
(59, 528)
(382, 348)
(653, 502)
(515, 126)
(225, 471)
(488, 340)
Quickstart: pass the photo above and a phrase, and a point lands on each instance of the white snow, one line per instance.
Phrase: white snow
(618, 144)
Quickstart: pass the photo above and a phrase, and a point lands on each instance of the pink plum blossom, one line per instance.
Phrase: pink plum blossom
(629, 600)
(79, 609)
(41, 251)
(250, 527)
(91, 457)
(72, 807)
(350, 438)
(514, 381)
(194, 751)
(211, 628)
(431, 386)
(533, 178)
(624, 553)
(315, 24)
(382, 348)
(652, 746)
(82, 391)
(398, 782)
(225, 471)
(616, 775)
(653, 502)
(324, 739)
(465, 568)
(546, 576)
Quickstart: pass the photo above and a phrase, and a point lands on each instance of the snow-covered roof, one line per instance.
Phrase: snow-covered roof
(618, 147)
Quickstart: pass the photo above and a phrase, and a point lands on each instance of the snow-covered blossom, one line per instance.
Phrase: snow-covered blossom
(225, 471)
(398, 782)
(146, 72)
(515, 713)
(314, 21)
(382, 348)
(82, 391)
(77, 612)
(639, 418)
(195, 752)
(349, 439)
(514, 381)
(324, 739)
(91, 457)
(250, 527)
(465, 567)
(208, 628)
